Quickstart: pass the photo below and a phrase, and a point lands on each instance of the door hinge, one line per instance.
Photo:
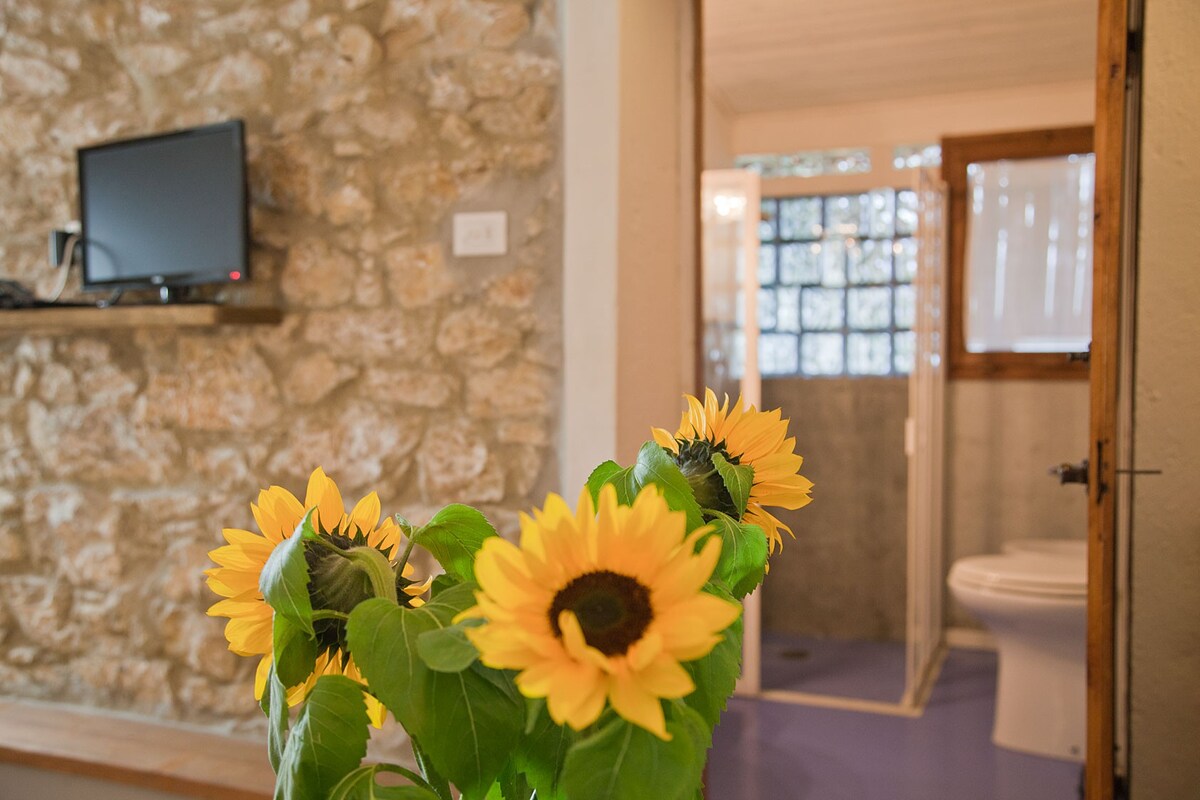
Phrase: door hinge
(1133, 53)
(1098, 465)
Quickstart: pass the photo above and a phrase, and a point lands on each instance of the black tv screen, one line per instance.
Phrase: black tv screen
(165, 210)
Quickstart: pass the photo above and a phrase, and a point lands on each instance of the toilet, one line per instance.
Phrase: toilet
(1033, 599)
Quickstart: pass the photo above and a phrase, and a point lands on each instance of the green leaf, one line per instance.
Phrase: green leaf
(600, 476)
(654, 465)
(453, 536)
(744, 551)
(441, 583)
(448, 649)
(622, 761)
(738, 478)
(432, 777)
(295, 652)
(513, 785)
(284, 578)
(329, 740)
(360, 785)
(716, 674)
(468, 723)
(274, 705)
(542, 751)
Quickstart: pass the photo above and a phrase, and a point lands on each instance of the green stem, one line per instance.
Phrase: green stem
(378, 569)
(328, 545)
(408, 548)
(329, 613)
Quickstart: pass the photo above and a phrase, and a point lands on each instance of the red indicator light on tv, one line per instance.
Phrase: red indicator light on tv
(235, 276)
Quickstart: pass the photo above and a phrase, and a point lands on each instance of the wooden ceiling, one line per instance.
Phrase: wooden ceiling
(774, 55)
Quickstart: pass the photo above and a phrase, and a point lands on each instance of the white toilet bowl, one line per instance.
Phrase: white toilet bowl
(1034, 601)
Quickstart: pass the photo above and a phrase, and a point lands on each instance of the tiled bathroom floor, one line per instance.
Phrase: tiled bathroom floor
(777, 751)
(842, 668)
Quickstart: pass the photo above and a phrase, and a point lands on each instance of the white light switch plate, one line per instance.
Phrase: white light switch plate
(481, 233)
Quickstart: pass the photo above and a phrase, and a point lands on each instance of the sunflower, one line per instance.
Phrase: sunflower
(595, 606)
(241, 561)
(745, 437)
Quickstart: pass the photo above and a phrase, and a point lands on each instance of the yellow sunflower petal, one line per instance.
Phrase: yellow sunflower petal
(665, 439)
(638, 704)
(572, 691)
(577, 647)
(666, 678)
(260, 675)
(323, 495)
(249, 636)
(366, 513)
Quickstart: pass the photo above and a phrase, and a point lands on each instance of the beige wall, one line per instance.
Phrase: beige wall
(630, 222)
(399, 367)
(718, 134)
(914, 120)
(655, 302)
(1165, 636)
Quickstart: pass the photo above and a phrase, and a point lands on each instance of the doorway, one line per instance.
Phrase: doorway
(816, 146)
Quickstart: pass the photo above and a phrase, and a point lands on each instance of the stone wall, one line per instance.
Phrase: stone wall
(397, 367)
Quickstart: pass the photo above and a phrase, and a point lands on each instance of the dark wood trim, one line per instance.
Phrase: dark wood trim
(1110, 147)
(173, 316)
(957, 153)
(135, 753)
(698, 211)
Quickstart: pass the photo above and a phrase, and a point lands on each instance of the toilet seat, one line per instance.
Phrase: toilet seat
(1023, 574)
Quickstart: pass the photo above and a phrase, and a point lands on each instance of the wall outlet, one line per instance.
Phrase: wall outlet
(481, 233)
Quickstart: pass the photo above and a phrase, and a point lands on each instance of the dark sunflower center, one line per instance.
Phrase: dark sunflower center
(695, 462)
(336, 584)
(613, 610)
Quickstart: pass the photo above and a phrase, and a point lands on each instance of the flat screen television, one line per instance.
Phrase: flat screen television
(165, 211)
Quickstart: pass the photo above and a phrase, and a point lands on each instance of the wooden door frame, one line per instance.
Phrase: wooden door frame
(1111, 287)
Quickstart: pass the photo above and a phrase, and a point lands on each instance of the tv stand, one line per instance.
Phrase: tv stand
(173, 315)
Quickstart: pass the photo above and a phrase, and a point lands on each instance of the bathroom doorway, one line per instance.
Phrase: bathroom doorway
(853, 134)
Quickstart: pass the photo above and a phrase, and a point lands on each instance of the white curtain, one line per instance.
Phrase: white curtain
(1029, 255)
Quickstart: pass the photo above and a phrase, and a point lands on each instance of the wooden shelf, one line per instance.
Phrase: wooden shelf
(164, 316)
(136, 753)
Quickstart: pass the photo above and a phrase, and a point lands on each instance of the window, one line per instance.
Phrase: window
(808, 164)
(835, 274)
(914, 156)
(1020, 254)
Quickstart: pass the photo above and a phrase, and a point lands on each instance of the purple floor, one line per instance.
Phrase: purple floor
(777, 751)
(840, 668)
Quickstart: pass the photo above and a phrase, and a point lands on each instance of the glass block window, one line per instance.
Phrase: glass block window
(836, 294)
(807, 164)
(911, 156)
